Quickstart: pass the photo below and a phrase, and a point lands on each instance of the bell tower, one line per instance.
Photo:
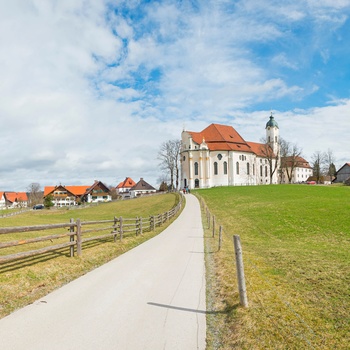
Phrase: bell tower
(273, 134)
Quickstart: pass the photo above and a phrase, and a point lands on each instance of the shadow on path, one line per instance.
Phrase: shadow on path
(179, 308)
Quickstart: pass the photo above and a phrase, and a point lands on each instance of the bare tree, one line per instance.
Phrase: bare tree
(169, 156)
(34, 193)
(329, 167)
(318, 161)
(290, 158)
(272, 158)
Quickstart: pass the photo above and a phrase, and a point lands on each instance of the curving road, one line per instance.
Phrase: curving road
(152, 297)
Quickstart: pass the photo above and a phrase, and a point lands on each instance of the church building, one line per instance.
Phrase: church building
(219, 156)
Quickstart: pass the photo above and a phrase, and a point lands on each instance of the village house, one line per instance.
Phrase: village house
(301, 170)
(63, 196)
(123, 188)
(11, 200)
(342, 174)
(2, 200)
(141, 188)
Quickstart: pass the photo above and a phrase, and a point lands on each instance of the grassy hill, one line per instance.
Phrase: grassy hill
(24, 281)
(296, 241)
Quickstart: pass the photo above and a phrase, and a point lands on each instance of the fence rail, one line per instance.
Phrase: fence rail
(81, 232)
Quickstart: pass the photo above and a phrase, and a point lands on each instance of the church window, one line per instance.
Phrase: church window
(269, 139)
(184, 158)
(248, 169)
(225, 168)
(237, 168)
(253, 169)
(215, 168)
(266, 171)
(219, 156)
(196, 168)
(261, 170)
(275, 138)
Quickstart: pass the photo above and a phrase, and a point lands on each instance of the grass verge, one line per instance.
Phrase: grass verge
(24, 281)
(296, 244)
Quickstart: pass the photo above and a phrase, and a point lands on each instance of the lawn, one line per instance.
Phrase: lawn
(296, 241)
(24, 281)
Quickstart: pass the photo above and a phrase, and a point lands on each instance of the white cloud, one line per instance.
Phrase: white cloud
(90, 93)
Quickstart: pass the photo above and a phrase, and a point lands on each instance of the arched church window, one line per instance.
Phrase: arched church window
(237, 168)
(253, 169)
(215, 168)
(248, 169)
(266, 171)
(261, 170)
(225, 168)
(196, 168)
(275, 138)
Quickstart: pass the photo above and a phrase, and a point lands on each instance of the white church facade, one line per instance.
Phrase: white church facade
(219, 156)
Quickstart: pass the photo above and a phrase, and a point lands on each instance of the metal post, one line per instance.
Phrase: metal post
(240, 271)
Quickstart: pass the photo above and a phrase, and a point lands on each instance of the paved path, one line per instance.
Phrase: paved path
(152, 297)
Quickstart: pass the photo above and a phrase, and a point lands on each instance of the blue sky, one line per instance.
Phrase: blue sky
(90, 89)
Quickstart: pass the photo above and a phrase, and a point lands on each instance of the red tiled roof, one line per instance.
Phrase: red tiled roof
(221, 138)
(258, 148)
(16, 196)
(48, 190)
(127, 183)
(75, 190)
(300, 162)
(225, 138)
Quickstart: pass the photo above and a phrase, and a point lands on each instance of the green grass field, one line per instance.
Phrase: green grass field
(24, 281)
(296, 241)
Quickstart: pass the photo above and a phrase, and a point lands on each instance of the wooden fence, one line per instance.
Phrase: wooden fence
(79, 232)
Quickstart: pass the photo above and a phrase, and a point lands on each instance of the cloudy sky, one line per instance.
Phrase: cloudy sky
(89, 89)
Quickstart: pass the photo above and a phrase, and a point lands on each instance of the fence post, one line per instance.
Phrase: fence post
(79, 238)
(213, 225)
(115, 229)
(240, 271)
(220, 236)
(71, 238)
(121, 228)
(140, 226)
(137, 225)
